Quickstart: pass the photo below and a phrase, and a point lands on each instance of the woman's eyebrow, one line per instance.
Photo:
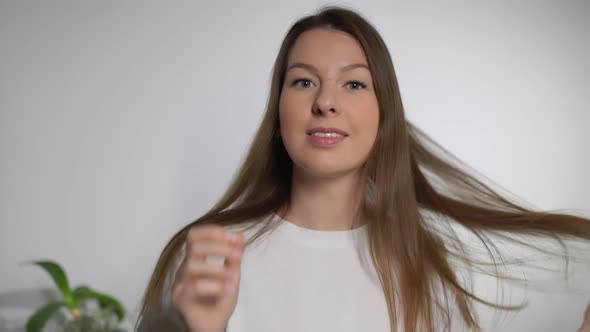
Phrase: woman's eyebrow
(315, 70)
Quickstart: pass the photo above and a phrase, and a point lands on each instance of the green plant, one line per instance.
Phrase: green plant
(82, 320)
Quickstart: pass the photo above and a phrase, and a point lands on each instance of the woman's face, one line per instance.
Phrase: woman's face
(328, 111)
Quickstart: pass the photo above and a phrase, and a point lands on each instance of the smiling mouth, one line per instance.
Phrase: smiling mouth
(327, 132)
(325, 140)
(318, 134)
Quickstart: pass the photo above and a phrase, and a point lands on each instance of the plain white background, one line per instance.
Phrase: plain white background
(122, 122)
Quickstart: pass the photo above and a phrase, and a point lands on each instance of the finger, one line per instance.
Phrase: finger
(205, 287)
(203, 233)
(234, 261)
(188, 290)
(203, 269)
(210, 248)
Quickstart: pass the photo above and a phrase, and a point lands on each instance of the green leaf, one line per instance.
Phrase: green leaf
(59, 277)
(38, 320)
(83, 293)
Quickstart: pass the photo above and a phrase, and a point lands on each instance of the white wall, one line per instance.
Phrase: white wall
(120, 122)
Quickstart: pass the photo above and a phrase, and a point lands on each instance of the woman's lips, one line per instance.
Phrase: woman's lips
(327, 130)
(325, 141)
(326, 137)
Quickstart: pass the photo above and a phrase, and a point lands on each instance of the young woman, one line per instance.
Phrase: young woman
(343, 215)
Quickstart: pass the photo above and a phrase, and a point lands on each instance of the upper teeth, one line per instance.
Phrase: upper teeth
(327, 134)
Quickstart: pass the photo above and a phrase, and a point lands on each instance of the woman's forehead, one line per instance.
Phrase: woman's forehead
(326, 48)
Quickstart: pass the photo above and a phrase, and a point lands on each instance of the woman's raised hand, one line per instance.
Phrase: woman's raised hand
(205, 291)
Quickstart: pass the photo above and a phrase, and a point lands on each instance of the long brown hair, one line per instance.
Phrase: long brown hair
(405, 173)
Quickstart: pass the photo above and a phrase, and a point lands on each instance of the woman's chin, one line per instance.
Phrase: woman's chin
(324, 171)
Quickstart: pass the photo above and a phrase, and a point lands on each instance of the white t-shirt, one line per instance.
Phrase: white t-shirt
(298, 279)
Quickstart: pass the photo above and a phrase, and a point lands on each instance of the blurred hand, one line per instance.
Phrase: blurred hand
(206, 291)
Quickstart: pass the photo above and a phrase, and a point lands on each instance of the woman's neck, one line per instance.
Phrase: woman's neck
(325, 204)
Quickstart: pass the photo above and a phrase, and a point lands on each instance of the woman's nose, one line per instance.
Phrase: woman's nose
(326, 100)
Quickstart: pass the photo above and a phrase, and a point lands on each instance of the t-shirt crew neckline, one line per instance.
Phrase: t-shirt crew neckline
(319, 239)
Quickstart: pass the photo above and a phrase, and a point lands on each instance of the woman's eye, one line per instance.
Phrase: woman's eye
(305, 83)
(356, 85)
(302, 83)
